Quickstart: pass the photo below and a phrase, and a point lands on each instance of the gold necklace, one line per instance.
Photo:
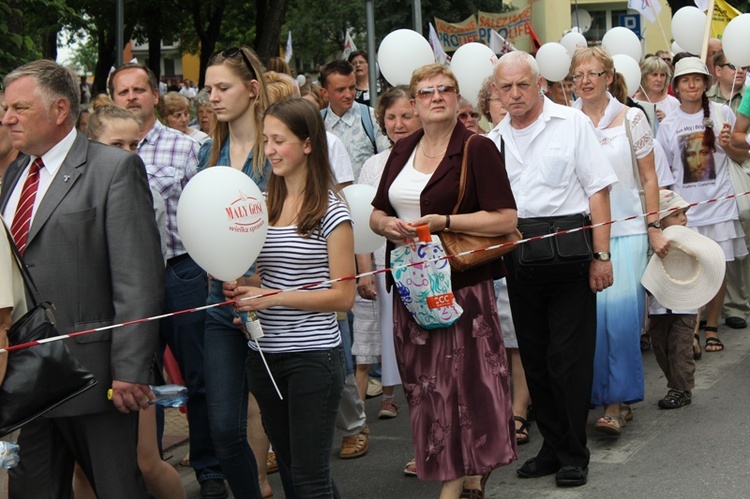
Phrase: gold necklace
(421, 148)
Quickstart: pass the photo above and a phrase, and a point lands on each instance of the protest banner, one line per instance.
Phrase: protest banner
(453, 35)
(723, 13)
(514, 26)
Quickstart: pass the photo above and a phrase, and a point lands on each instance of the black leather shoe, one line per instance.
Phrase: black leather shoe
(736, 322)
(571, 476)
(213, 489)
(533, 468)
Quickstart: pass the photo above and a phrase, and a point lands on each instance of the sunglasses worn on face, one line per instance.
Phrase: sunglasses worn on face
(428, 92)
(466, 116)
(732, 66)
(232, 52)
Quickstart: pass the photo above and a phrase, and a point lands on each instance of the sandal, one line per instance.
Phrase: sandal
(411, 468)
(610, 425)
(522, 433)
(626, 414)
(645, 342)
(354, 446)
(475, 493)
(697, 352)
(713, 341)
(272, 464)
(675, 399)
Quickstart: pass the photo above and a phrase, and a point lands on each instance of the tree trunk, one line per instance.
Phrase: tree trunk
(154, 44)
(49, 44)
(207, 35)
(268, 23)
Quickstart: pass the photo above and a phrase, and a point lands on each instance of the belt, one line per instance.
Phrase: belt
(177, 259)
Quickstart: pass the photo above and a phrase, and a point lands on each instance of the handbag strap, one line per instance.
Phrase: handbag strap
(636, 173)
(28, 282)
(464, 168)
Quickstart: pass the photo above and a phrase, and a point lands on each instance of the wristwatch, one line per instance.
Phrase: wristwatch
(655, 225)
(604, 256)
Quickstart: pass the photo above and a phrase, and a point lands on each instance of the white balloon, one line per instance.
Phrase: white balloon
(472, 63)
(572, 41)
(359, 198)
(301, 80)
(581, 19)
(736, 41)
(400, 53)
(688, 25)
(554, 61)
(629, 69)
(676, 49)
(222, 220)
(621, 40)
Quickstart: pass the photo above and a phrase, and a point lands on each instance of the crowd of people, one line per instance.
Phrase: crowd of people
(549, 331)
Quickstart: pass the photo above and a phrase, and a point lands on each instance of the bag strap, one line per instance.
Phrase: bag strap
(464, 168)
(366, 119)
(631, 145)
(28, 282)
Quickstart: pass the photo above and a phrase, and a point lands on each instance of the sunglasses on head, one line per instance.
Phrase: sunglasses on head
(232, 52)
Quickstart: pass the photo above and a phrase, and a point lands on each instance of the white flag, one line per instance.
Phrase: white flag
(500, 45)
(349, 46)
(440, 56)
(288, 52)
(702, 4)
(648, 8)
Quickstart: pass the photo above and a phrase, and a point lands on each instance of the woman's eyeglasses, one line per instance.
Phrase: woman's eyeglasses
(428, 92)
(232, 52)
(590, 76)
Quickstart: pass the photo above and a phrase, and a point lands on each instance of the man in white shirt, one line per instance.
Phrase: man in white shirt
(556, 170)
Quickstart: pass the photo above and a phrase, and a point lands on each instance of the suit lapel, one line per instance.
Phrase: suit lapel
(10, 179)
(64, 179)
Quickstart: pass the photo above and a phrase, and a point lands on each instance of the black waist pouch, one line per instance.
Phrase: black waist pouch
(560, 258)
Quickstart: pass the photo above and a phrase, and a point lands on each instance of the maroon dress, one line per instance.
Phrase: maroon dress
(456, 379)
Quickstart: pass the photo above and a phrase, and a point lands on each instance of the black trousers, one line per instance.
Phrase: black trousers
(104, 444)
(556, 329)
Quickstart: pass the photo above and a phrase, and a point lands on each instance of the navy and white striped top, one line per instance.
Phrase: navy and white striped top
(289, 260)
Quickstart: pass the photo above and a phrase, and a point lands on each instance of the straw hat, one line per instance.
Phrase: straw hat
(691, 65)
(691, 273)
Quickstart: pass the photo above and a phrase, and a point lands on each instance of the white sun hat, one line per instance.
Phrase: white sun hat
(691, 273)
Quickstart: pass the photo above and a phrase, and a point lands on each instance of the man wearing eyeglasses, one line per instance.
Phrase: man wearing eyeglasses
(557, 173)
(171, 160)
(729, 89)
(730, 82)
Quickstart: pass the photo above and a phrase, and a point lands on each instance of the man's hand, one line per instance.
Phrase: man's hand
(600, 275)
(130, 396)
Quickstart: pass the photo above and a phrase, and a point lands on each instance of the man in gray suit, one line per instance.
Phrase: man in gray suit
(92, 246)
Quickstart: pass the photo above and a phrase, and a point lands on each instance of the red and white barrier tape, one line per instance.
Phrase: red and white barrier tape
(349, 278)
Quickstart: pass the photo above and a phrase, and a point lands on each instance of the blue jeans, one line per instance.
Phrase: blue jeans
(185, 287)
(226, 385)
(301, 426)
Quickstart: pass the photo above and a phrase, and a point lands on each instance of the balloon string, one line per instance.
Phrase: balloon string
(643, 90)
(268, 369)
(364, 274)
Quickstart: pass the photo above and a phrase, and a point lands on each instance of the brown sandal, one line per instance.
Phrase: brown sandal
(354, 445)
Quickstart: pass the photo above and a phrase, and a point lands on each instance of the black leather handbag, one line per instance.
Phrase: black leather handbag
(40, 377)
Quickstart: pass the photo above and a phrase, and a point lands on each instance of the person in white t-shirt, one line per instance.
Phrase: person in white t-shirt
(310, 240)
(696, 138)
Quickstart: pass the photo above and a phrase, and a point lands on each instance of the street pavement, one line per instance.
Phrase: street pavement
(700, 451)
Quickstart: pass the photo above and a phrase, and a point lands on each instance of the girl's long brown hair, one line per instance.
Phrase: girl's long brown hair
(305, 122)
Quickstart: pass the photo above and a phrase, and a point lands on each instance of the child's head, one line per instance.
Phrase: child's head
(667, 200)
(114, 126)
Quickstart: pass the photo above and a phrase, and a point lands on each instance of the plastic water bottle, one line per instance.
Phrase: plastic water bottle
(9, 454)
(253, 329)
(170, 395)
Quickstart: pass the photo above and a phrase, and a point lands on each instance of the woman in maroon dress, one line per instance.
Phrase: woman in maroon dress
(455, 378)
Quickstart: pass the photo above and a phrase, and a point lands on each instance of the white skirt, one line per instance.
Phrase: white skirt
(729, 235)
